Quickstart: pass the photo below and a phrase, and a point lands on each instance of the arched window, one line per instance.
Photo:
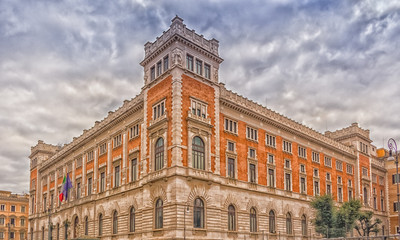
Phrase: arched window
(76, 223)
(288, 223)
(231, 218)
(86, 226)
(365, 197)
(159, 214)
(115, 222)
(198, 213)
(253, 220)
(132, 219)
(271, 221)
(100, 224)
(198, 153)
(304, 225)
(159, 154)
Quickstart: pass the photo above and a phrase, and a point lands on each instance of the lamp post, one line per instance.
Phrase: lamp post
(393, 148)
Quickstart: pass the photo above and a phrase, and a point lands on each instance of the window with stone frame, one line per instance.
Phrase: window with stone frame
(302, 168)
(199, 67)
(303, 185)
(231, 146)
(287, 146)
(339, 165)
(270, 140)
(316, 188)
(117, 176)
(134, 131)
(231, 168)
(198, 153)
(271, 159)
(159, 110)
(159, 68)
(231, 218)
(271, 177)
(166, 63)
(251, 133)
(252, 173)
(365, 172)
(134, 169)
(315, 157)
(103, 148)
(328, 161)
(288, 181)
(230, 125)
(302, 151)
(207, 71)
(117, 141)
(349, 168)
(252, 153)
(79, 162)
(152, 73)
(189, 62)
(198, 108)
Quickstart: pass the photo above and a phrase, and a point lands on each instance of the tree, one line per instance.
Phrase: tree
(366, 224)
(331, 221)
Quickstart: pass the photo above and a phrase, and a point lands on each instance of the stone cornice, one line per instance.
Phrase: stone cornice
(260, 112)
(15, 199)
(129, 107)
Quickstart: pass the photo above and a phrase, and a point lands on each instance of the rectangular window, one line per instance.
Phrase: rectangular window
(12, 235)
(288, 182)
(302, 152)
(270, 140)
(365, 172)
(374, 179)
(134, 169)
(90, 156)
(189, 62)
(79, 162)
(231, 167)
(328, 189)
(1, 235)
(395, 206)
(159, 68)
(2, 207)
(381, 180)
(78, 190)
(350, 194)
(271, 159)
(339, 180)
(339, 165)
(199, 108)
(22, 209)
(349, 183)
(231, 146)
(315, 157)
(328, 161)
(199, 67)
(230, 126)
(252, 153)
(271, 177)
(328, 176)
(116, 177)
(349, 169)
(252, 133)
(340, 194)
(103, 148)
(302, 185)
(12, 221)
(134, 131)
(152, 73)
(166, 63)
(21, 235)
(207, 71)
(287, 163)
(375, 204)
(316, 172)
(89, 188)
(102, 181)
(287, 146)
(316, 188)
(117, 140)
(12, 208)
(158, 110)
(252, 169)
(2, 221)
(22, 222)
(302, 168)
(394, 178)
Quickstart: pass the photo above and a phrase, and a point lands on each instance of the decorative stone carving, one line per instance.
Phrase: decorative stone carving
(177, 57)
(216, 74)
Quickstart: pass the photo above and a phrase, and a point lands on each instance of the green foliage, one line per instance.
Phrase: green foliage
(334, 222)
(366, 224)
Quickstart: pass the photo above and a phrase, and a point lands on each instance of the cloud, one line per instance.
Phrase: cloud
(65, 64)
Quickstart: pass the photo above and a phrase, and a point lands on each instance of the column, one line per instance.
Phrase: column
(124, 157)
(109, 164)
(95, 168)
(83, 183)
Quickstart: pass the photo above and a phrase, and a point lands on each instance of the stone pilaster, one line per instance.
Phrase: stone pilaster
(109, 165)
(143, 137)
(124, 157)
(216, 131)
(95, 169)
(177, 117)
(73, 180)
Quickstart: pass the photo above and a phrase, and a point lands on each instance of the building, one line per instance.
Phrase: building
(188, 158)
(13, 215)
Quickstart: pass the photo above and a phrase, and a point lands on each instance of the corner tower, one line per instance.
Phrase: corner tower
(181, 94)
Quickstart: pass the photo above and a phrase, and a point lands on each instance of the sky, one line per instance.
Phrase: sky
(65, 64)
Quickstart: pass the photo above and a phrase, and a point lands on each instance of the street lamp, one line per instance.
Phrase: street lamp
(393, 148)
